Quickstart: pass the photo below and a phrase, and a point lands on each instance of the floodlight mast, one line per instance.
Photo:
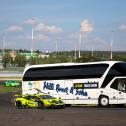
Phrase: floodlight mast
(92, 52)
(3, 45)
(79, 45)
(56, 47)
(111, 54)
(75, 54)
(32, 47)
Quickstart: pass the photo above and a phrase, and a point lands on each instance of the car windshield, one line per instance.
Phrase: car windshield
(47, 97)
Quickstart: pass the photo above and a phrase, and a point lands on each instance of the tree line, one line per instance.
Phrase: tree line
(60, 57)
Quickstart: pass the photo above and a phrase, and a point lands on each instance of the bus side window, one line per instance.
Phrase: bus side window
(122, 85)
(119, 84)
(114, 85)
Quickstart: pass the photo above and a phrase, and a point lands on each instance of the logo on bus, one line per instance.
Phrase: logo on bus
(58, 88)
(88, 85)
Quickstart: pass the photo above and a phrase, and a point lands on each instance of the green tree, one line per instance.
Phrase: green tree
(20, 61)
(6, 59)
(33, 60)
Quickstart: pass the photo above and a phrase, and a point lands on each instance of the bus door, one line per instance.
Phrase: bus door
(120, 85)
(122, 90)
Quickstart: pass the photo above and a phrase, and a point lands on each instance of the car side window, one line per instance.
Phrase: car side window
(28, 97)
(32, 98)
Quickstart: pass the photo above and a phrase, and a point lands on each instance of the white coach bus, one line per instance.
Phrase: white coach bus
(100, 83)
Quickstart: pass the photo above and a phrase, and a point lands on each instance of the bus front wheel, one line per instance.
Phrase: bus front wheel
(103, 101)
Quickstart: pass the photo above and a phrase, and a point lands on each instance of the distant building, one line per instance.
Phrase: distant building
(28, 55)
(13, 55)
(43, 56)
(34, 55)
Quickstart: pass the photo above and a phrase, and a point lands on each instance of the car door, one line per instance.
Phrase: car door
(30, 101)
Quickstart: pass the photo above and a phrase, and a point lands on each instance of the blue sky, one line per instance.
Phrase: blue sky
(62, 22)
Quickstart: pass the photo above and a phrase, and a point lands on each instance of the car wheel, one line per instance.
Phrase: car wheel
(19, 105)
(63, 106)
(40, 105)
(53, 106)
(103, 101)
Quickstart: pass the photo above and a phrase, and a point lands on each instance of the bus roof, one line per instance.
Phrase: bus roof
(71, 63)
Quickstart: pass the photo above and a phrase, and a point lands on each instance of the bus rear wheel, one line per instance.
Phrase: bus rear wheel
(103, 101)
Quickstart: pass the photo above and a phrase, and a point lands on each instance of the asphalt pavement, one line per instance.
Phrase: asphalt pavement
(10, 74)
(70, 116)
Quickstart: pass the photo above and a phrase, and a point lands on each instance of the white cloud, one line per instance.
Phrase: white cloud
(98, 44)
(86, 26)
(41, 37)
(76, 35)
(123, 27)
(38, 37)
(40, 27)
(53, 29)
(46, 28)
(15, 28)
(29, 21)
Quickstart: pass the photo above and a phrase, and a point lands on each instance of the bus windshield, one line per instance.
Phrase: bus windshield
(118, 69)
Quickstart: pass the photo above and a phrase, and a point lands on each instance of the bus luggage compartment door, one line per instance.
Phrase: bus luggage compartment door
(70, 92)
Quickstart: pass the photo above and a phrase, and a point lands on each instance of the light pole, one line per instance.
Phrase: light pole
(56, 47)
(111, 44)
(80, 45)
(32, 45)
(3, 45)
(75, 54)
(92, 52)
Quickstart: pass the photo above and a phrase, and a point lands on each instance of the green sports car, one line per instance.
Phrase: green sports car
(38, 101)
(10, 83)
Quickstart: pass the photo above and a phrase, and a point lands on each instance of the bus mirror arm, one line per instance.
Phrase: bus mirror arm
(39, 91)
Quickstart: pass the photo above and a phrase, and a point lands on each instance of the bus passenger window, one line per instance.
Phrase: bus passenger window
(119, 84)
(114, 85)
(122, 85)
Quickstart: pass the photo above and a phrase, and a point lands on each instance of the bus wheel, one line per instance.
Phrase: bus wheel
(40, 105)
(19, 105)
(103, 101)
